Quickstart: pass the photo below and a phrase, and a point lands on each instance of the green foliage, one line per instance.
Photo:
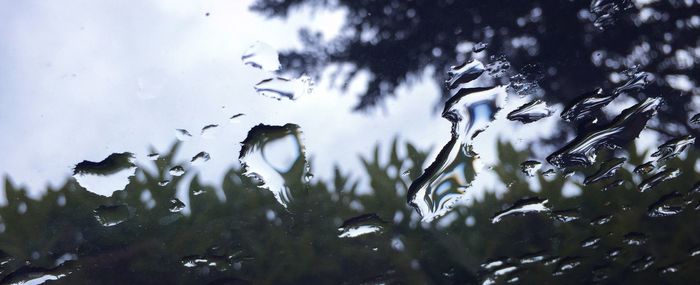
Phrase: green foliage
(246, 236)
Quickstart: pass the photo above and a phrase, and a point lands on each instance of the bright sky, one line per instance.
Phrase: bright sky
(82, 79)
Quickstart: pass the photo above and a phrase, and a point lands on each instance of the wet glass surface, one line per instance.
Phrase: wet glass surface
(350, 142)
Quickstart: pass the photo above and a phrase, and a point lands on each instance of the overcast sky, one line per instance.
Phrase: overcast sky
(80, 80)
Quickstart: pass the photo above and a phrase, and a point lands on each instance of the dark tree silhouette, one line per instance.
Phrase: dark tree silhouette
(395, 41)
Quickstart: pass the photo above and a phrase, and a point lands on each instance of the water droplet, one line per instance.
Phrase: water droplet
(479, 47)
(586, 105)
(182, 135)
(642, 264)
(673, 148)
(591, 242)
(530, 167)
(635, 238)
(567, 215)
(198, 191)
(613, 253)
(601, 220)
(549, 173)
(279, 87)
(673, 268)
(260, 154)
(638, 81)
(567, 264)
(109, 175)
(606, 170)
(308, 177)
(533, 257)
(464, 73)
(219, 262)
(624, 128)
(361, 225)
(525, 82)
(530, 112)
(153, 156)
(662, 176)
(668, 205)
(200, 158)
(493, 263)
(443, 183)
(164, 182)
(522, 207)
(613, 185)
(551, 260)
(695, 120)
(177, 171)
(235, 119)
(111, 215)
(176, 205)
(693, 252)
(606, 12)
(261, 55)
(39, 275)
(644, 168)
(498, 66)
(209, 131)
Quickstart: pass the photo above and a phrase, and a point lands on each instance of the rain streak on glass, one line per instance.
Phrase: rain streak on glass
(361, 225)
(260, 156)
(261, 55)
(105, 177)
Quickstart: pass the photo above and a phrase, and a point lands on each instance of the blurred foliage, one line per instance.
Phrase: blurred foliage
(553, 42)
(236, 233)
